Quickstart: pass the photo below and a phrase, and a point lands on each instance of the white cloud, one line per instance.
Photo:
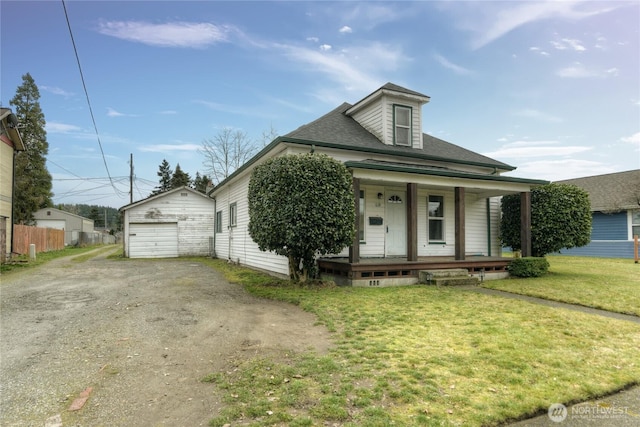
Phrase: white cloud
(489, 21)
(57, 91)
(172, 34)
(561, 169)
(565, 44)
(539, 51)
(345, 29)
(451, 66)
(577, 70)
(355, 69)
(371, 14)
(529, 149)
(537, 115)
(633, 139)
(325, 47)
(55, 127)
(612, 71)
(113, 113)
(163, 148)
(313, 39)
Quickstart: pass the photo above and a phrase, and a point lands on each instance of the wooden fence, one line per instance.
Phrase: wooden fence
(45, 239)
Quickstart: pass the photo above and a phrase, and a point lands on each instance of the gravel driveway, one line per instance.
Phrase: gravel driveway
(140, 333)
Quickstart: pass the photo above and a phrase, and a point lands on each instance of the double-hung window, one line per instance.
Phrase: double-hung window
(402, 125)
(635, 223)
(436, 219)
(219, 222)
(233, 214)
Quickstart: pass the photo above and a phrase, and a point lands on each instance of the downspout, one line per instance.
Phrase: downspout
(488, 226)
(13, 196)
(215, 221)
(215, 226)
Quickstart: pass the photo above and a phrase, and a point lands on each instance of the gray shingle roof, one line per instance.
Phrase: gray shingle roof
(611, 192)
(337, 129)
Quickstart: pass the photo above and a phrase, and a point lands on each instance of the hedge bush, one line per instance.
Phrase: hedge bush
(528, 267)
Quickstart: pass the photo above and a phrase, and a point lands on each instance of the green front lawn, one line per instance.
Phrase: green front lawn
(421, 355)
(606, 283)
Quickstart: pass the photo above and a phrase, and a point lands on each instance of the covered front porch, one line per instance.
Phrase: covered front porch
(394, 271)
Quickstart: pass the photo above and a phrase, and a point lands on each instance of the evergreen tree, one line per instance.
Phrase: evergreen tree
(32, 179)
(180, 178)
(560, 218)
(94, 214)
(165, 173)
(200, 183)
(301, 206)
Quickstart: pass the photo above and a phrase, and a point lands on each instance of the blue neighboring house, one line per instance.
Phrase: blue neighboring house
(615, 206)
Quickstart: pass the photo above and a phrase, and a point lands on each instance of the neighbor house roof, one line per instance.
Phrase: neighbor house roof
(164, 194)
(611, 192)
(6, 115)
(42, 213)
(337, 130)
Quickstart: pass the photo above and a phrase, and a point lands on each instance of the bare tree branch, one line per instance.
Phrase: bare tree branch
(226, 152)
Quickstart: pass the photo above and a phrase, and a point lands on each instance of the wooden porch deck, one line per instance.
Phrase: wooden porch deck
(400, 268)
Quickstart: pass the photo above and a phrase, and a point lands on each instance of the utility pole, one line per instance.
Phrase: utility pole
(131, 179)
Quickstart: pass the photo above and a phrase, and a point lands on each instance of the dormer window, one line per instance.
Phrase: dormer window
(402, 125)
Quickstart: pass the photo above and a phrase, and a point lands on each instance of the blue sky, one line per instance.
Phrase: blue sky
(552, 88)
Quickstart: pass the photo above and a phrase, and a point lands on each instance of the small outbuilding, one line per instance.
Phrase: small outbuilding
(76, 228)
(175, 223)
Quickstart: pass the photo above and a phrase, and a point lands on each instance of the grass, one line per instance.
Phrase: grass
(22, 262)
(426, 356)
(607, 283)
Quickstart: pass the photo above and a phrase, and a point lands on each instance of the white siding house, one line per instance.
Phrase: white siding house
(419, 199)
(176, 223)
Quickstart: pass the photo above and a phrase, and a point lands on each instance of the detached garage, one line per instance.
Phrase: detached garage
(177, 223)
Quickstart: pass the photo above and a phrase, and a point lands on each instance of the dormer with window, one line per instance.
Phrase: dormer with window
(393, 114)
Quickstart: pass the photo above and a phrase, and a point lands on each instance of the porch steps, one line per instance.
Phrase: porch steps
(447, 277)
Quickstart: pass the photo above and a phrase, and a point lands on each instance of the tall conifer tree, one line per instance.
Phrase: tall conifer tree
(180, 178)
(32, 179)
(165, 173)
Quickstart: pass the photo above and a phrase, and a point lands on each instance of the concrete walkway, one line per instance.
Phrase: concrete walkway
(617, 410)
(550, 303)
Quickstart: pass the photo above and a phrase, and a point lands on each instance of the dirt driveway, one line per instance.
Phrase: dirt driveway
(140, 333)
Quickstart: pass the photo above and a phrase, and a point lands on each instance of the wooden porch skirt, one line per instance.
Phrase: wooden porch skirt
(382, 268)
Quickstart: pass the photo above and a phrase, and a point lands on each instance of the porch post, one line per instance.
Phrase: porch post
(460, 226)
(412, 221)
(525, 223)
(354, 249)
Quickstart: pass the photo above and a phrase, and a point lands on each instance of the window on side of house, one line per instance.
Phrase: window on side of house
(436, 219)
(219, 222)
(635, 223)
(361, 218)
(233, 214)
(402, 125)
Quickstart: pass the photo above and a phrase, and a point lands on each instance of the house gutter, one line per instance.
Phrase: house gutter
(448, 174)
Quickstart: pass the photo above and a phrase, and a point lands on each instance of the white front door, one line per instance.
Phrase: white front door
(396, 228)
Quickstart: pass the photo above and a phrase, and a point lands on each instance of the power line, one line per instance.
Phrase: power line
(84, 86)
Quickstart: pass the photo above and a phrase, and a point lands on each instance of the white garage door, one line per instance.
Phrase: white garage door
(153, 240)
